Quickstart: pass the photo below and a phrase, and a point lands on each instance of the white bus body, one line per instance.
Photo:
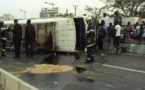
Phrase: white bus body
(58, 34)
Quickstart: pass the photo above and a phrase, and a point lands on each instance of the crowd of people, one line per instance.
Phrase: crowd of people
(110, 35)
(105, 34)
(134, 32)
(17, 37)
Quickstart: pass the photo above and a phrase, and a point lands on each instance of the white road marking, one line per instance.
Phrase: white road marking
(127, 69)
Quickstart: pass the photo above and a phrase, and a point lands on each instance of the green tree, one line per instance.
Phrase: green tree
(127, 7)
(96, 11)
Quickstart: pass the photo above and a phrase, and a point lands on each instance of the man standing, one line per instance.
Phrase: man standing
(90, 42)
(104, 37)
(106, 19)
(117, 18)
(117, 36)
(17, 37)
(3, 38)
(128, 30)
(29, 38)
(111, 35)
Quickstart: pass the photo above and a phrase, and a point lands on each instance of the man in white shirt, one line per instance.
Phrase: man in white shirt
(137, 27)
(117, 36)
(106, 19)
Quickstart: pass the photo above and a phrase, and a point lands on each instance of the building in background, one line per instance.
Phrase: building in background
(47, 12)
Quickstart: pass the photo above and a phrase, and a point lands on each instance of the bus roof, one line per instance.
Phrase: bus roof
(33, 21)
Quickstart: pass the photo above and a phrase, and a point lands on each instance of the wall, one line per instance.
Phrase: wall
(125, 20)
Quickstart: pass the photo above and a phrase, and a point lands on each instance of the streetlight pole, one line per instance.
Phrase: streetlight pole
(50, 4)
(24, 13)
(75, 7)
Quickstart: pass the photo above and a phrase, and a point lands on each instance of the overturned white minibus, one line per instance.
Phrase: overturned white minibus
(58, 34)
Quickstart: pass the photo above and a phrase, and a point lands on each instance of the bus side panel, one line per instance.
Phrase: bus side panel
(65, 35)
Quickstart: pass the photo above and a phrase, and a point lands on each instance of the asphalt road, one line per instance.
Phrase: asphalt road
(113, 72)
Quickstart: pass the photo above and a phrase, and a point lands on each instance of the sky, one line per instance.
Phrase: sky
(33, 7)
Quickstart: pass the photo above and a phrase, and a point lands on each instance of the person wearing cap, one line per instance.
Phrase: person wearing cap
(3, 30)
(29, 38)
(17, 37)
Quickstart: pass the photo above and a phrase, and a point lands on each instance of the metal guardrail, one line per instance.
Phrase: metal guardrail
(10, 82)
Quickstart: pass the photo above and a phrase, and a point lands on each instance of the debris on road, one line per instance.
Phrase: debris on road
(49, 68)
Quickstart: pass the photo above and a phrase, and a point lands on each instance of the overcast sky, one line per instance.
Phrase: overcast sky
(33, 7)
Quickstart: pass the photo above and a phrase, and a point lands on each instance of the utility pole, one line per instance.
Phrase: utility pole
(24, 13)
(66, 11)
(75, 8)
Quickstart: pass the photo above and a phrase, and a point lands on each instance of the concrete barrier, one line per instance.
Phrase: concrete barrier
(10, 82)
(133, 48)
